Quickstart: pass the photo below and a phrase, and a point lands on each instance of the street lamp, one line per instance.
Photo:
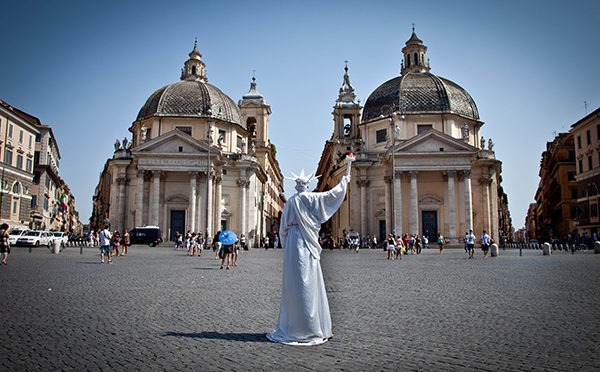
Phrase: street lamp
(209, 138)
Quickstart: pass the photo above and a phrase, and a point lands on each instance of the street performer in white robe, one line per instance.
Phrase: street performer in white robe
(304, 317)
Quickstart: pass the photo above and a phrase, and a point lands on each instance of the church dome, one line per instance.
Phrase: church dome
(419, 92)
(192, 96)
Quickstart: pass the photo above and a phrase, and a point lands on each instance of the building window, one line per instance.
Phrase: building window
(15, 206)
(578, 142)
(186, 130)
(36, 157)
(20, 161)
(33, 201)
(47, 182)
(590, 163)
(38, 137)
(21, 136)
(380, 135)
(423, 128)
(571, 176)
(240, 142)
(571, 155)
(580, 166)
(30, 141)
(45, 203)
(8, 159)
(222, 134)
(5, 203)
(10, 130)
(593, 210)
(16, 188)
(28, 165)
(36, 177)
(573, 193)
(589, 137)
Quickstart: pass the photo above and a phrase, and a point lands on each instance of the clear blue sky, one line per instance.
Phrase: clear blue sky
(86, 68)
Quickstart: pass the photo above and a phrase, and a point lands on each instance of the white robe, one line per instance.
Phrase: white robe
(304, 317)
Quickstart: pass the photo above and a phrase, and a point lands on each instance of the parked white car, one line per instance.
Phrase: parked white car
(14, 235)
(62, 237)
(35, 238)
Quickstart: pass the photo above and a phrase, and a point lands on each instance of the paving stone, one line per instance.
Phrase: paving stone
(159, 310)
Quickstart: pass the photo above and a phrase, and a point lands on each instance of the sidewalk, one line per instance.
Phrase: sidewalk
(159, 310)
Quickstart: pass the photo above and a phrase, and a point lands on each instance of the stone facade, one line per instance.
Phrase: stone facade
(586, 135)
(556, 197)
(197, 162)
(17, 140)
(422, 167)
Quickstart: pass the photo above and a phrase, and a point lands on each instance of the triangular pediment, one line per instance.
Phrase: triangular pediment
(172, 142)
(434, 141)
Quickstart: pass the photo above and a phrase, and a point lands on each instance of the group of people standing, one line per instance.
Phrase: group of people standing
(400, 245)
(110, 244)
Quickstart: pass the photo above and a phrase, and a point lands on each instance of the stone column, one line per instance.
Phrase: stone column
(218, 199)
(155, 197)
(244, 185)
(485, 182)
(139, 208)
(451, 207)
(413, 220)
(398, 202)
(192, 203)
(388, 205)
(121, 204)
(468, 201)
(363, 185)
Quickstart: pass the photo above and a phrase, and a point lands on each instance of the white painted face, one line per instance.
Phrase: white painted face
(302, 181)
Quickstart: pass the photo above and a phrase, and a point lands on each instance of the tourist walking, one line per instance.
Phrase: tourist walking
(391, 247)
(470, 243)
(399, 247)
(126, 242)
(105, 238)
(441, 242)
(485, 244)
(4, 245)
(418, 244)
(116, 238)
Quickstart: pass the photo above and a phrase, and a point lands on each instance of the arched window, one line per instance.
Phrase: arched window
(193, 70)
(408, 60)
(16, 188)
(251, 126)
(416, 59)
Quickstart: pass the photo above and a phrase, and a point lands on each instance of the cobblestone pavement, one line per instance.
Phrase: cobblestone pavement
(159, 310)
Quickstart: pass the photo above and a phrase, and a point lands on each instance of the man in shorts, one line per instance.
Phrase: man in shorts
(470, 243)
(105, 238)
(485, 244)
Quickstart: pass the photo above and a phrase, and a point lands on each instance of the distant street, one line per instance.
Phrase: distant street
(159, 310)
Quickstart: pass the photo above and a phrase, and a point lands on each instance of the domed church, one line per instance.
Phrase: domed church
(422, 166)
(197, 161)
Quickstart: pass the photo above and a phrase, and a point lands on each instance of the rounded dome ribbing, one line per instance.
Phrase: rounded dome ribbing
(419, 92)
(191, 98)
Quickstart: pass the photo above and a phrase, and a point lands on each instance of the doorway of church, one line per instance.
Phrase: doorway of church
(430, 229)
(177, 224)
(382, 232)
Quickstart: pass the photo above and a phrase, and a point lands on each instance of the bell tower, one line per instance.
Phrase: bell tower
(346, 112)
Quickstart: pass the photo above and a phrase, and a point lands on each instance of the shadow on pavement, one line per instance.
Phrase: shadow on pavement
(254, 337)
